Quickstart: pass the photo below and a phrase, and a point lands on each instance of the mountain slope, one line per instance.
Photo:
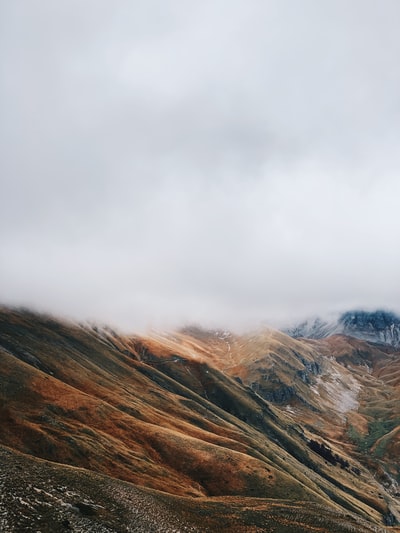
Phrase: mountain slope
(341, 389)
(174, 417)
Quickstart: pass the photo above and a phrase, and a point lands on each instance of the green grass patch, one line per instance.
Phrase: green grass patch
(376, 430)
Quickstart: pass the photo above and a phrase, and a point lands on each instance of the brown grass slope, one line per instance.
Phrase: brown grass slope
(145, 412)
(46, 497)
(374, 429)
(341, 390)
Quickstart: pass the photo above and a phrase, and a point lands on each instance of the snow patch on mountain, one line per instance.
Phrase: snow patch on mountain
(315, 327)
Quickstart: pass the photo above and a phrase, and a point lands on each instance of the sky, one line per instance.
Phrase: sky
(225, 162)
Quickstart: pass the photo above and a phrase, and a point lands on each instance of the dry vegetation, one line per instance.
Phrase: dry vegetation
(200, 430)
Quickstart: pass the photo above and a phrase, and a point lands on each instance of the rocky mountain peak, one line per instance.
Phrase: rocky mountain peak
(378, 326)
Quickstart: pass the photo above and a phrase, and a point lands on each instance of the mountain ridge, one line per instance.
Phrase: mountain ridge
(380, 326)
(231, 432)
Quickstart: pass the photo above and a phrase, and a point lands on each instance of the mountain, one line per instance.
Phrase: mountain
(195, 430)
(382, 327)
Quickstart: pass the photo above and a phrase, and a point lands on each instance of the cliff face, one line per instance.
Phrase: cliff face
(379, 326)
(382, 327)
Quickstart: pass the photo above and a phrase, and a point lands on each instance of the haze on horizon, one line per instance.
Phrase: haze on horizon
(169, 162)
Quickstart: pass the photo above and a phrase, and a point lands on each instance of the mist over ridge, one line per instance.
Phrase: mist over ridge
(224, 164)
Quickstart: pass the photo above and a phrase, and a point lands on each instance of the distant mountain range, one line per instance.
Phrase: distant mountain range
(382, 327)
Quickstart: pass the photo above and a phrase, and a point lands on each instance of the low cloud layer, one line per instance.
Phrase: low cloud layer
(226, 163)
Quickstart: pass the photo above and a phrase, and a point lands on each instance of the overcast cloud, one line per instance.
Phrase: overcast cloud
(222, 162)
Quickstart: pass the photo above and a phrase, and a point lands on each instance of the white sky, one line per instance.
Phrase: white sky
(223, 162)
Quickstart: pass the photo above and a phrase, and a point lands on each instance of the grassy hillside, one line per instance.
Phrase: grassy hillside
(163, 417)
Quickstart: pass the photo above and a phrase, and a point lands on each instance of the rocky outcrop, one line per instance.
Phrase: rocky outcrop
(382, 327)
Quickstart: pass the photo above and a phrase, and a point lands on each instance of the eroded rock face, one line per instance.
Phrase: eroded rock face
(382, 327)
(379, 326)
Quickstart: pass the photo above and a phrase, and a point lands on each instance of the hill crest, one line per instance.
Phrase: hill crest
(244, 429)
